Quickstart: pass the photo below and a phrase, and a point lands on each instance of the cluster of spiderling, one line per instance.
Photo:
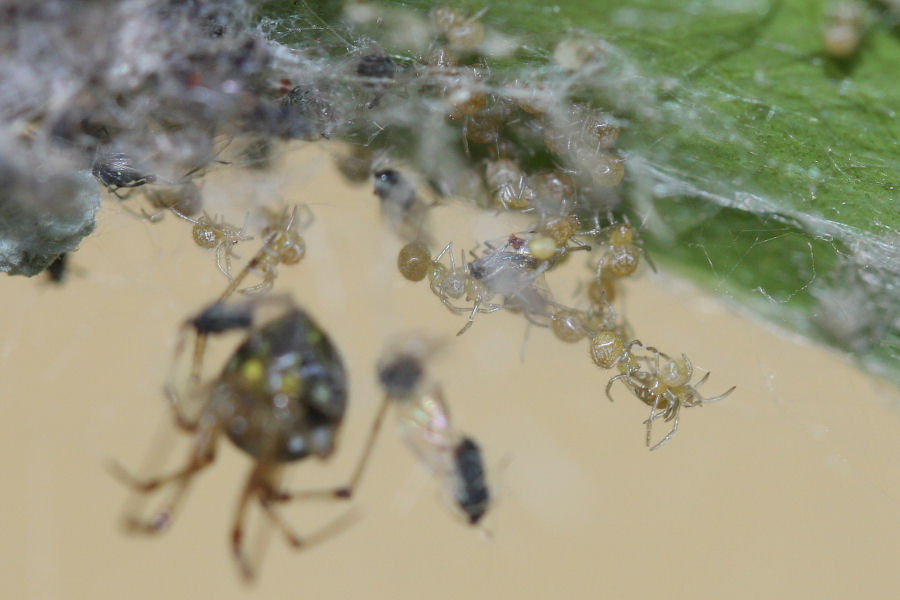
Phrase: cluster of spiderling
(194, 80)
(511, 276)
(503, 128)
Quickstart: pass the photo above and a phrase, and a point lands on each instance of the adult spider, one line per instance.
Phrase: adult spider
(281, 397)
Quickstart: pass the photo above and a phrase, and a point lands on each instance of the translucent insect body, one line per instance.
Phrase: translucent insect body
(425, 424)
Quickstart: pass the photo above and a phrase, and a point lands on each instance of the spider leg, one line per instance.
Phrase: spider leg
(600, 264)
(633, 343)
(155, 217)
(647, 258)
(183, 216)
(219, 252)
(264, 286)
(237, 527)
(672, 431)
(182, 421)
(623, 377)
(202, 455)
(533, 321)
(719, 397)
(307, 218)
(228, 254)
(269, 273)
(453, 308)
(702, 380)
(347, 490)
(653, 415)
(448, 247)
(470, 321)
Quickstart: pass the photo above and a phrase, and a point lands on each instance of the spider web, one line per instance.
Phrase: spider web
(756, 163)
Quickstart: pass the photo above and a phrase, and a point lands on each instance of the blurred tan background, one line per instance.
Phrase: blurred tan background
(787, 489)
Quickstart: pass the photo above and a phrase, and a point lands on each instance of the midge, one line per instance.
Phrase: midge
(114, 170)
(454, 459)
(280, 398)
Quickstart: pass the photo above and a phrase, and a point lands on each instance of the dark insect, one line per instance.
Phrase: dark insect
(281, 397)
(400, 204)
(426, 427)
(472, 493)
(114, 171)
(394, 189)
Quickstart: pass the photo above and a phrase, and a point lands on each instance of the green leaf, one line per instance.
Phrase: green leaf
(764, 168)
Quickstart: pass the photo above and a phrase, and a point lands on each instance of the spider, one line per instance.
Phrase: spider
(485, 125)
(609, 349)
(549, 241)
(555, 197)
(456, 282)
(280, 398)
(568, 324)
(283, 245)
(216, 233)
(622, 251)
(665, 389)
(510, 188)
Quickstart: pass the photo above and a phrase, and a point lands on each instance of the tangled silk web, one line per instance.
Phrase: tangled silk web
(150, 92)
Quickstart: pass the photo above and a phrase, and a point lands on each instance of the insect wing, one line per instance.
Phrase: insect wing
(425, 426)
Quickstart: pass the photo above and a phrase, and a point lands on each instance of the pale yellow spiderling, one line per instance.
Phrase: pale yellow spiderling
(665, 388)
(216, 233)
